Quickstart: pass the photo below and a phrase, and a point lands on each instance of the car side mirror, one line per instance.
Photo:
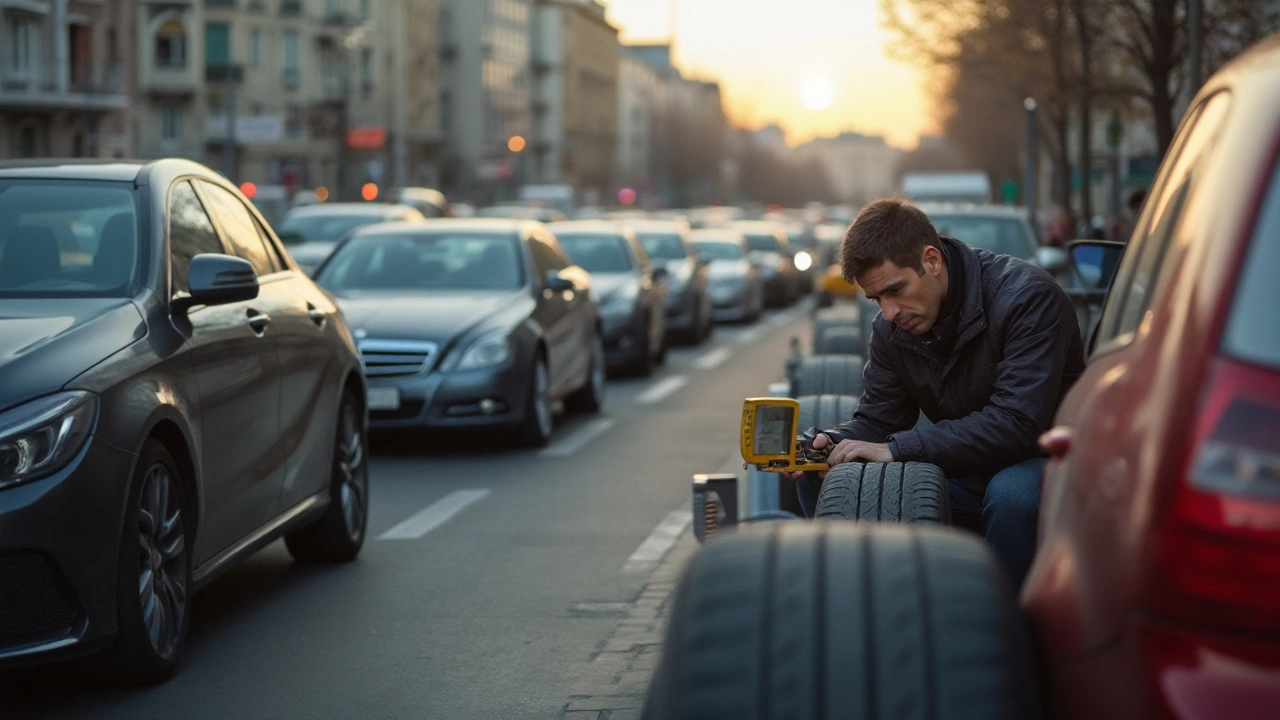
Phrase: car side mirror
(1095, 262)
(659, 273)
(1054, 260)
(557, 283)
(216, 279)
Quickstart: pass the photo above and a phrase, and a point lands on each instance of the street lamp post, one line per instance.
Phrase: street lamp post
(1029, 181)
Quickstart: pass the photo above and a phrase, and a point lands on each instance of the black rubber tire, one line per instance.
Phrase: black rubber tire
(530, 433)
(867, 312)
(131, 659)
(589, 398)
(327, 540)
(839, 341)
(829, 375)
(895, 492)
(644, 361)
(823, 412)
(832, 317)
(883, 622)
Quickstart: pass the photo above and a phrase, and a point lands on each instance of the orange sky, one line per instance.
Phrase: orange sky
(764, 51)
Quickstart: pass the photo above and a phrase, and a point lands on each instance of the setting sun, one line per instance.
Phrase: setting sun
(816, 93)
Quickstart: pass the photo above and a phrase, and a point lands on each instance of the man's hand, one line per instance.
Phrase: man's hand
(850, 450)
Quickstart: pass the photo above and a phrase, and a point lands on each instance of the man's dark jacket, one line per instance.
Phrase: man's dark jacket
(1016, 351)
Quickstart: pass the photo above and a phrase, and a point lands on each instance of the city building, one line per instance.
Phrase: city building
(642, 100)
(860, 167)
(485, 98)
(66, 78)
(575, 97)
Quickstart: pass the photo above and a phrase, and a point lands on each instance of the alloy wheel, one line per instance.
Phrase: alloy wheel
(353, 479)
(541, 405)
(597, 368)
(162, 577)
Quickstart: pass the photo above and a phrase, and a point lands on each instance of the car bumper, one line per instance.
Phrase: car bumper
(485, 397)
(59, 558)
(1164, 671)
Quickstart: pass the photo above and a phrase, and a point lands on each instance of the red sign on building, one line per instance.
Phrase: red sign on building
(367, 138)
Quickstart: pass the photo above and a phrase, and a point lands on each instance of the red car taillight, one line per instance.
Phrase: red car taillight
(1219, 548)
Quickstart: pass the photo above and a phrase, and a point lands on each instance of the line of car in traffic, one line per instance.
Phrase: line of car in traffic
(179, 392)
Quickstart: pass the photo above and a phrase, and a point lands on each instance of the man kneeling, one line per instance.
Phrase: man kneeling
(985, 345)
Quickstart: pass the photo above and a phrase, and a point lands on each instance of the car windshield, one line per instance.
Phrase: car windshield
(719, 250)
(1003, 236)
(597, 253)
(325, 227)
(419, 261)
(67, 239)
(663, 246)
(763, 242)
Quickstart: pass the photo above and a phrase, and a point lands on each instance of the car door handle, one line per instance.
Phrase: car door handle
(259, 321)
(1057, 441)
(318, 316)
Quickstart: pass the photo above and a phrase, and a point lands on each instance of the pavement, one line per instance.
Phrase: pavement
(495, 583)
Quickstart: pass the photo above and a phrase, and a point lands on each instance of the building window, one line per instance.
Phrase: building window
(366, 70)
(291, 58)
(217, 44)
(171, 45)
(24, 44)
(255, 47)
(171, 122)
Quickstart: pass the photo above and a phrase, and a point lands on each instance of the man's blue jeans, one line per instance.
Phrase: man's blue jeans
(1008, 511)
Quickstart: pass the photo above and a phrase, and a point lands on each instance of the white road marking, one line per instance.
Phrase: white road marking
(577, 440)
(659, 391)
(713, 359)
(434, 515)
(660, 541)
(747, 337)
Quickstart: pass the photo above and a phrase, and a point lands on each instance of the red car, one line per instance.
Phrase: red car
(1156, 589)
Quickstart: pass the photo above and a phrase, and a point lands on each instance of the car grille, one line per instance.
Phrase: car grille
(395, 358)
(35, 599)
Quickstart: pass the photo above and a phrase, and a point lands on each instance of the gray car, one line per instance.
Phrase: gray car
(311, 232)
(737, 291)
(469, 324)
(688, 297)
(632, 292)
(176, 395)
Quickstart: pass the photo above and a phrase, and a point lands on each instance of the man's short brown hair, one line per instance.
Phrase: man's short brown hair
(890, 229)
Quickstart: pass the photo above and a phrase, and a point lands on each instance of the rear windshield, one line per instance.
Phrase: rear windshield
(763, 242)
(463, 261)
(711, 250)
(597, 253)
(323, 228)
(1003, 236)
(1251, 329)
(67, 239)
(663, 246)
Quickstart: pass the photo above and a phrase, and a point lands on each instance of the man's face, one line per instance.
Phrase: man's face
(908, 299)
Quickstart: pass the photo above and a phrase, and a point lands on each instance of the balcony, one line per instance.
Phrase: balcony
(40, 89)
(169, 80)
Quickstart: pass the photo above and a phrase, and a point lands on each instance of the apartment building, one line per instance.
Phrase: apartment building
(66, 76)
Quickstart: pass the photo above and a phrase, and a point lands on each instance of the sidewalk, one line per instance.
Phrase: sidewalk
(613, 682)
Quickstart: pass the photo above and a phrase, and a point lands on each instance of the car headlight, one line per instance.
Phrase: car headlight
(489, 350)
(803, 261)
(40, 437)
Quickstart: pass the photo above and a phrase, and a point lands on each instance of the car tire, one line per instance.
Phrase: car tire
(661, 358)
(890, 622)
(832, 317)
(338, 535)
(816, 411)
(829, 375)
(590, 397)
(705, 323)
(867, 312)
(153, 580)
(839, 341)
(535, 429)
(643, 363)
(895, 492)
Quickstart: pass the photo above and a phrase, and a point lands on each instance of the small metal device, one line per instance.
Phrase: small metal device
(770, 438)
(715, 504)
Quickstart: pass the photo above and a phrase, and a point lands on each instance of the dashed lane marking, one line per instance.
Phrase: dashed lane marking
(576, 440)
(659, 543)
(661, 389)
(713, 359)
(434, 515)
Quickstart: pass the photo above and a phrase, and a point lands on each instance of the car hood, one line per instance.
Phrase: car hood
(435, 316)
(606, 285)
(47, 342)
(728, 268)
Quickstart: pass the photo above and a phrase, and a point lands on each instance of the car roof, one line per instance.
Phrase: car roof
(729, 235)
(61, 169)
(651, 225)
(587, 226)
(975, 209)
(759, 226)
(456, 224)
(345, 208)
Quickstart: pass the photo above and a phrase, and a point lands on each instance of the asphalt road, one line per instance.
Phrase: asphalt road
(467, 599)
